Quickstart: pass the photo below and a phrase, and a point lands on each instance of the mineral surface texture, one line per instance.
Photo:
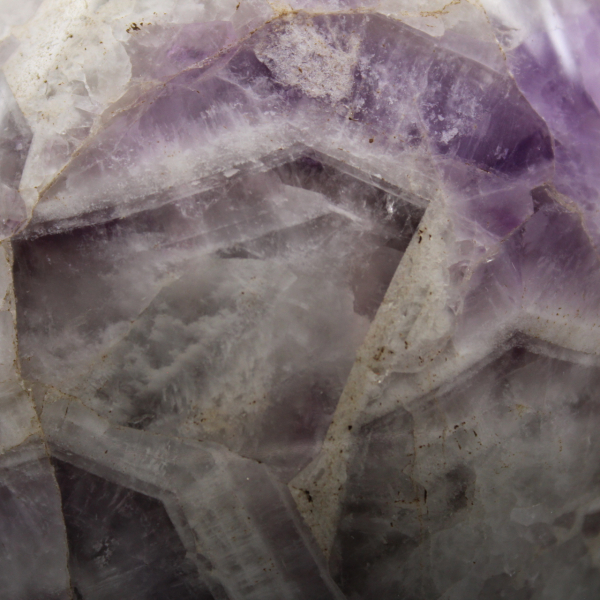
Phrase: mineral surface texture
(299, 300)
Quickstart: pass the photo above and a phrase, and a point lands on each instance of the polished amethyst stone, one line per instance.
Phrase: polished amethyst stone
(300, 300)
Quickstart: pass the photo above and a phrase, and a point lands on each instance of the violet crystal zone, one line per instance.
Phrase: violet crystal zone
(300, 300)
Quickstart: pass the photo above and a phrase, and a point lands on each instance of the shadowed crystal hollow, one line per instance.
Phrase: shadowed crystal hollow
(300, 300)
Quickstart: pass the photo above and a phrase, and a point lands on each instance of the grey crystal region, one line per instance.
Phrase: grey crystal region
(15, 139)
(122, 542)
(230, 523)
(299, 301)
(221, 335)
(457, 466)
(32, 530)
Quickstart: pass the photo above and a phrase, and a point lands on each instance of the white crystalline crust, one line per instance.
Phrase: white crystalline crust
(71, 65)
(331, 71)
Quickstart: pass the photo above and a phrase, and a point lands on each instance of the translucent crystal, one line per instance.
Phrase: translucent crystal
(299, 300)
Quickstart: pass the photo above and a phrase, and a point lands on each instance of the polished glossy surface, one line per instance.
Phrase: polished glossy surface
(300, 301)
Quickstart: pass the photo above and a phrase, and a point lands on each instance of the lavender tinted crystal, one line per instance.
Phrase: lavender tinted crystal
(299, 301)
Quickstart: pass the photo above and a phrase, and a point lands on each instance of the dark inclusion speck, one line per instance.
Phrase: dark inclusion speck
(122, 544)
